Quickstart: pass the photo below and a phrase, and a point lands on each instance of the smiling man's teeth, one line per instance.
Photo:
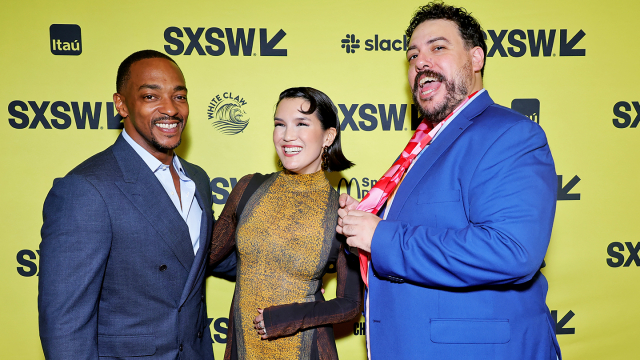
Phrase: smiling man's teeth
(426, 79)
(167, 126)
(292, 150)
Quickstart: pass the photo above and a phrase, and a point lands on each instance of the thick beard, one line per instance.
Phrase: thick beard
(457, 90)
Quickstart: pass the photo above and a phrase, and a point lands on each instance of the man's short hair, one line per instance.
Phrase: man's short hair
(469, 27)
(124, 72)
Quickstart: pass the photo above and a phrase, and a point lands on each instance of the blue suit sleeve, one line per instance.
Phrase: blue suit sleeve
(226, 268)
(511, 204)
(76, 238)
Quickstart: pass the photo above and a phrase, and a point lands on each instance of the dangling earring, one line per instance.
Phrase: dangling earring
(325, 160)
(280, 164)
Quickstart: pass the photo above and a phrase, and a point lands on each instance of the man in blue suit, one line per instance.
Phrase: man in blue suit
(455, 254)
(126, 234)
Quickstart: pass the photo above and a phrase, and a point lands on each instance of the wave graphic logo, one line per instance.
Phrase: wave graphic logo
(227, 113)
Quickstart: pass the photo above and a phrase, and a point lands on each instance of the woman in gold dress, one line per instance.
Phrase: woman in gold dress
(283, 228)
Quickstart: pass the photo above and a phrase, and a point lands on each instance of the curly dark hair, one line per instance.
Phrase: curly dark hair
(469, 27)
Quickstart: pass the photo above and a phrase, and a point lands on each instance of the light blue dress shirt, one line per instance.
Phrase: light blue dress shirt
(190, 209)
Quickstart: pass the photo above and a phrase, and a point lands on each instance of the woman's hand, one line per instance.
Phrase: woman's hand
(259, 325)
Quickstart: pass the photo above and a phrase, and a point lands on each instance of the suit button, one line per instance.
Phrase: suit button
(199, 334)
(202, 297)
(180, 347)
(162, 267)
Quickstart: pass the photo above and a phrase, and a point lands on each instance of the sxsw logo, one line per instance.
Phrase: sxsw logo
(221, 187)
(65, 39)
(622, 110)
(217, 41)
(561, 328)
(515, 43)
(61, 115)
(221, 327)
(616, 251)
(367, 117)
(350, 43)
(27, 261)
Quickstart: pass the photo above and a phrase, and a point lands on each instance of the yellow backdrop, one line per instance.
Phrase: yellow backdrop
(569, 65)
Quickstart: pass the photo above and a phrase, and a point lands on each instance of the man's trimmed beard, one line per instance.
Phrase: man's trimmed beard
(457, 90)
(155, 142)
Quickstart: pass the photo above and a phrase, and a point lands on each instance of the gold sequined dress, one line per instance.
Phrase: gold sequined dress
(285, 239)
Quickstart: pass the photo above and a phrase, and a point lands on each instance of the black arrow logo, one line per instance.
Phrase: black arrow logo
(267, 47)
(560, 329)
(563, 191)
(567, 48)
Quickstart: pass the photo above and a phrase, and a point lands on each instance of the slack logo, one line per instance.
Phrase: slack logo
(527, 107)
(66, 39)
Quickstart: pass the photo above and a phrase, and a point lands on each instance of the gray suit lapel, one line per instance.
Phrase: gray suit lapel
(442, 142)
(144, 190)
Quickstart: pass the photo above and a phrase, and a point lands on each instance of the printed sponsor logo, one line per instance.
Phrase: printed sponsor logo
(622, 109)
(218, 41)
(563, 191)
(220, 329)
(352, 187)
(65, 39)
(536, 43)
(221, 188)
(368, 117)
(616, 250)
(28, 261)
(527, 107)
(378, 43)
(560, 325)
(63, 115)
(227, 113)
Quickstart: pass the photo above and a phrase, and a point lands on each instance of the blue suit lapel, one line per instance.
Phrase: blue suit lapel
(442, 142)
(144, 190)
(206, 223)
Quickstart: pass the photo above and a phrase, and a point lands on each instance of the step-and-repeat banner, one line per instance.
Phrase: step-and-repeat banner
(570, 66)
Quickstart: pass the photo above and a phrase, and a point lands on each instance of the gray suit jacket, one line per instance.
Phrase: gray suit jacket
(118, 277)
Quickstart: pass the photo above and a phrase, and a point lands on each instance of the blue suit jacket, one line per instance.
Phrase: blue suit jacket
(118, 277)
(456, 262)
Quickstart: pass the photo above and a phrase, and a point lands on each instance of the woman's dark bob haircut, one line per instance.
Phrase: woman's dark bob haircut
(323, 108)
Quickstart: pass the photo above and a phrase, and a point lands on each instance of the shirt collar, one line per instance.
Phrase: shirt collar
(151, 161)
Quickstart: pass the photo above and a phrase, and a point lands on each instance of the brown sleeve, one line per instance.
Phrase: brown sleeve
(288, 319)
(224, 230)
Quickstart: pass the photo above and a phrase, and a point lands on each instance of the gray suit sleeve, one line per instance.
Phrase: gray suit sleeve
(76, 238)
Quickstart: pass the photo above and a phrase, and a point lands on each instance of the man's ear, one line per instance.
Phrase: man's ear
(118, 100)
(477, 58)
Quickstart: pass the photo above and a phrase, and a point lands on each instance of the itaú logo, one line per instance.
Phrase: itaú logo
(65, 39)
(353, 187)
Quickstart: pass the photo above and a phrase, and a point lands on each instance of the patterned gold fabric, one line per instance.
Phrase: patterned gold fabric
(283, 241)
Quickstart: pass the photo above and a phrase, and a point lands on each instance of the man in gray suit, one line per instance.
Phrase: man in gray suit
(126, 234)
